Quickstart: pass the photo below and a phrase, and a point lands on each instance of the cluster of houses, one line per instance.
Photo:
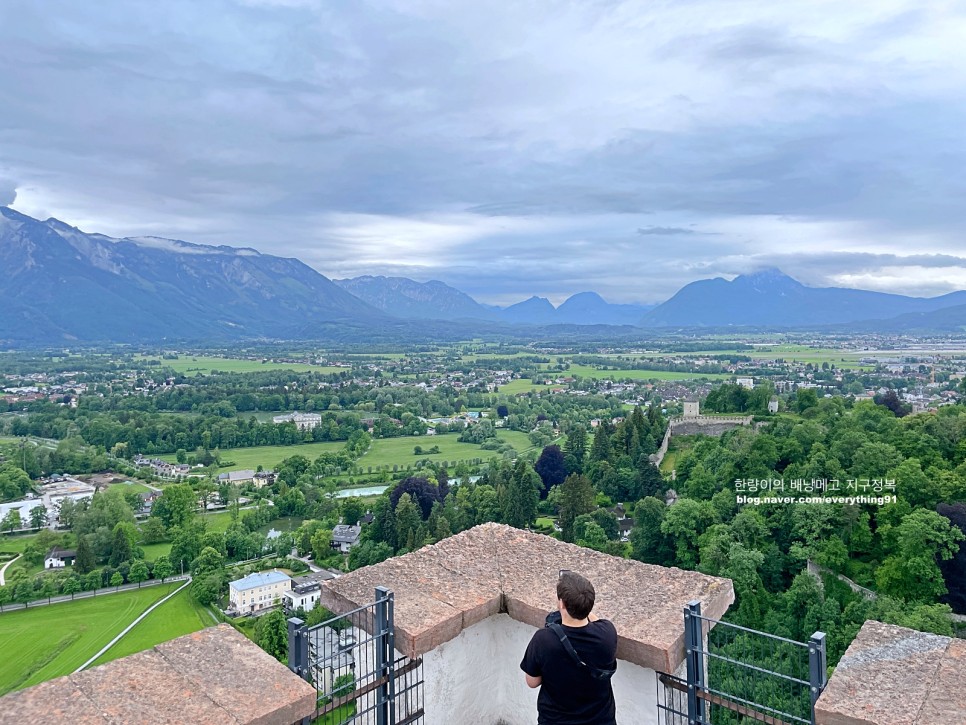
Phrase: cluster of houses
(162, 469)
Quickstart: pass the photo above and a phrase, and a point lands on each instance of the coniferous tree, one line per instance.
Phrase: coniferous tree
(84, 562)
(577, 497)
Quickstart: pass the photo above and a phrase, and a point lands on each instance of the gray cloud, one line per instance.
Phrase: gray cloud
(664, 231)
(459, 143)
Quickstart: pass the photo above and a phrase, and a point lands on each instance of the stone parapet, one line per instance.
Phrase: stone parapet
(444, 588)
(213, 676)
(891, 675)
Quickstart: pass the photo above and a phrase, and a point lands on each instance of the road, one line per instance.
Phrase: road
(3, 568)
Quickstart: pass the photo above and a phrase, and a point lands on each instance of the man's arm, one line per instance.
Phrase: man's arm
(533, 682)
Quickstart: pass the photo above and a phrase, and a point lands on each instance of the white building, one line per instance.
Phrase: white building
(746, 382)
(258, 591)
(304, 421)
(344, 537)
(692, 409)
(59, 558)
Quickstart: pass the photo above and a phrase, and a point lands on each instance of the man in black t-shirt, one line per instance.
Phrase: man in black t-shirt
(572, 692)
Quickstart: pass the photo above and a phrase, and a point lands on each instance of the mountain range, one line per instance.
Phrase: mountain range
(61, 284)
(435, 300)
(770, 298)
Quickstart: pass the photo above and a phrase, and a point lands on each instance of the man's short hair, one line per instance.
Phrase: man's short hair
(577, 593)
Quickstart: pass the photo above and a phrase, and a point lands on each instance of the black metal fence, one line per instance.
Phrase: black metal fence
(352, 661)
(737, 675)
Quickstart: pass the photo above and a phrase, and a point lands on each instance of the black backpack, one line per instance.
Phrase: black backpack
(554, 623)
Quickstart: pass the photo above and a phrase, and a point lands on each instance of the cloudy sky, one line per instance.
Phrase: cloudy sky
(514, 148)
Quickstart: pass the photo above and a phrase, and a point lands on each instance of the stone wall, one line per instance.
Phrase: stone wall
(708, 425)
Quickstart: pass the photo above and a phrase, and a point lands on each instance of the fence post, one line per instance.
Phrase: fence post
(297, 656)
(817, 667)
(693, 644)
(385, 657)
(298, 653)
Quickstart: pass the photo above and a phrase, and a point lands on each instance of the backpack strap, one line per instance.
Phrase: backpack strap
(565, 641)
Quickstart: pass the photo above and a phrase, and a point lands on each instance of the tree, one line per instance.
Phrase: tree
(38, 517)
(121, 546)
(271, 634)
(684, 522)
(163, 568)
(71, 586)
(577, 497)
(420, 490)
(407, 520)
(912, 573)
(575, 449)
(11, 521)
(521, 495)
(954, 569)
(116, 580)
(6, 594)
(84, 562)
(322, 544)
(208, 588)
(593, 537)
(648, 543)
(368, 553)
(152, 531)
(209, 560)
(177, 505)
(352, 510)
(138, 572)
(551, 467)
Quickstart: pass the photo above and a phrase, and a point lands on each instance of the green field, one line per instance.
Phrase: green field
(202, 364)
(522, 385)
(179, 615)
(585, 371)
(268, 457)
(46, 642)
(132, 486)
(399, 451)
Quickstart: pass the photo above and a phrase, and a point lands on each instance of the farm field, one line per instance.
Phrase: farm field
(46, 642)
(586, 371)
(203, 365)
(269, 456)
(179, 615)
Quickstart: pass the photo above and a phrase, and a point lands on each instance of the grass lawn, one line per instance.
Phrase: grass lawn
(522, 385)
(269, 456)
(389, 451)
(202, 364)
(670, 461)
(16, 543)
(46, 642)
(153, 551)
(179, 615)
(133, 486)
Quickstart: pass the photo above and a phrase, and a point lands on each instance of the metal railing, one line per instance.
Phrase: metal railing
(352, 661)
(738, 675)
